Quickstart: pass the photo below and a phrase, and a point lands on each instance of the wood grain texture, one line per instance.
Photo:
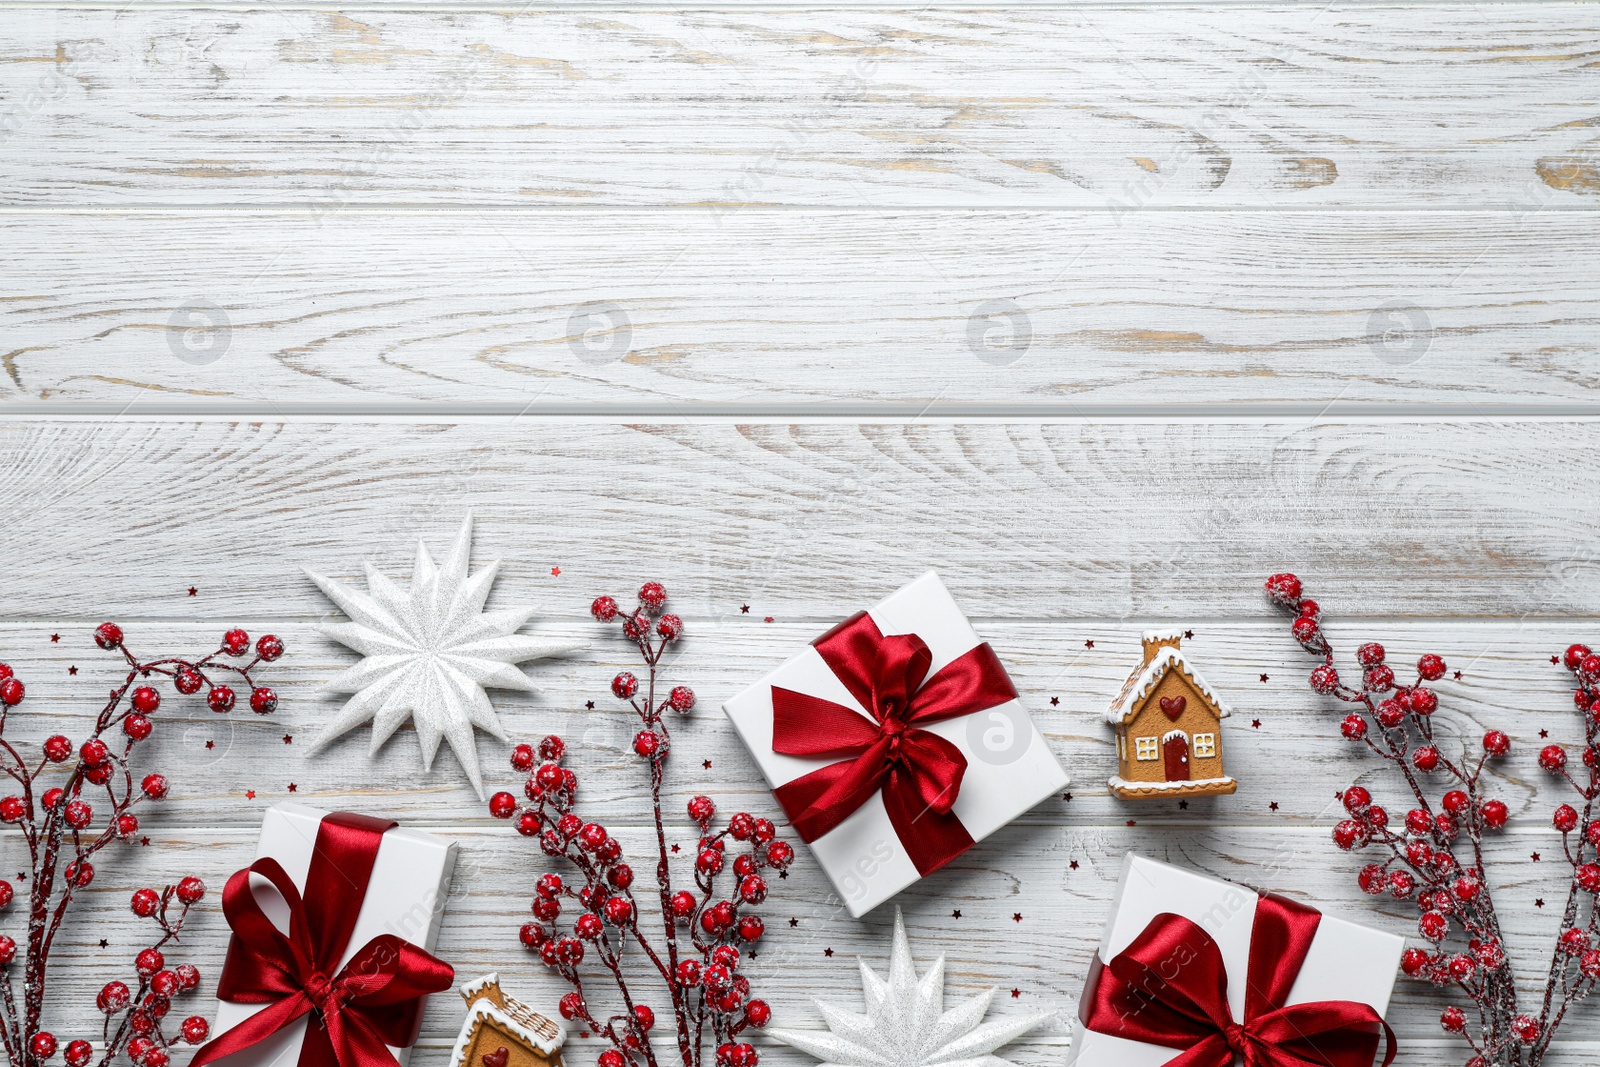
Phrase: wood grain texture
(1042, 311)
(1117, 521)
(1449, 105)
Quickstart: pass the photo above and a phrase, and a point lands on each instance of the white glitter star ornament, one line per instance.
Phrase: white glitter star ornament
(430, 651)
(906, 1024)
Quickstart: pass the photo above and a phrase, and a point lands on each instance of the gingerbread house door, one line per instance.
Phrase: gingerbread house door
(1175, 750)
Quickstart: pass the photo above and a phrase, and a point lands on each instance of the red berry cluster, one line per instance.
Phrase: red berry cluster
(706, 933)
(58, 823)
(1395, 722)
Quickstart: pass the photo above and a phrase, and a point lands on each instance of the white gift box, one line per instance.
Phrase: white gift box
(1346, 961)
(1009, 765)
(405, 897)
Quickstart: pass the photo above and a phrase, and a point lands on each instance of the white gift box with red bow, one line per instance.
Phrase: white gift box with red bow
(1008, 764)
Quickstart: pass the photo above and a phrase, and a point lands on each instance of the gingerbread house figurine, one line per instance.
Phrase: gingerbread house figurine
(502, 1032)
(1169, 728)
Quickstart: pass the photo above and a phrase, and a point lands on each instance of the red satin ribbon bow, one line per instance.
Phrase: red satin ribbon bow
(373, 1001)
(918, 772)
(1170, 988)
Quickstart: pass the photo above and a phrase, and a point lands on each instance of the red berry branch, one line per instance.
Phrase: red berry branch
(699, 954)
(57, 823)
(1425, 861)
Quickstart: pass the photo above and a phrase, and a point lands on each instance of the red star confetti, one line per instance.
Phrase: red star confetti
(744, 609)
(828, 952)
(555, 571)
(144, 842)
(1263, 677)
(1255, 724)
(676, 847)
(767, 619)
(211, 744)
(1183, 805)
(1535, 857)
(249, 794)
(1539, 903)
(1015, 993)
(1544, 733)
(1016, 916)
(1072, 866)
(1066, 796)
(1055, 701)
(72, 670)
(588, 705)
(956, 914)
(193, 591)
(104, 943)
(794, 922)
(293, 787)
(55, 639)
(1273, 806)
(1458, 676)
(1133, 822)
(1188, 635)
(1555, 659)
(1088, 644)
(706, 765)
(288, 739)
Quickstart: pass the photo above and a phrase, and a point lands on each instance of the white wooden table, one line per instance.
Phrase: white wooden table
(1106, 312)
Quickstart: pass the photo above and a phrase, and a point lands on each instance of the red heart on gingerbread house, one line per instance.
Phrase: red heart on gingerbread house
(497, 1058)
(1172, 707)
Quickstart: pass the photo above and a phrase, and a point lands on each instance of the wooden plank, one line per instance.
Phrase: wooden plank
(1507, 683)
(1046, 312)
(1123, 521)
(1446, 105)
(1026, 871)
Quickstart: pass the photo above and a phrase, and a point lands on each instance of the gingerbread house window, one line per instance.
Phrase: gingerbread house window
(1205, 745)
(1145, 748)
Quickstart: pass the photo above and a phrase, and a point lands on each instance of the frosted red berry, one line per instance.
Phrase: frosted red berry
(652, 596)
(145, 902)
(681, 698)
(502, 805)
(1284, 588)
(1525, 1028)
(758, 1013)
(683, 904)
(646, 744)
(43, 1045)
(1349, 834)
(1565, 818)
(1354, 727)
(12, 692)
(164, 984)
(624, 685)
(187, 680)
(79, 814)
(1455, 802)
(8, 950)
(154, 786)
(780, 854)
(1587, 876)
(1496, 743)
(702, 809)
(1495, 813)
(57, 748)
(220, 699)
(145, 700)
(619, 910)
(1574, 656)
(1453, 1020)
(1552, 757)
(138, 727)
(236, 642)
(1425, 758)
(670, 627)
(191, 890)
(1422, 700)
(522, 758)
(77, 1053)
(12, 809)
(1357, 799)
(263, 700)
(1377, 679)
(1305, 629)
(195, 1029)
(529, 823)
(108, 635)
(148, 962)
(269, 648)
(7, 894)
(1430, 667)
(1433, 926)
(603, 608)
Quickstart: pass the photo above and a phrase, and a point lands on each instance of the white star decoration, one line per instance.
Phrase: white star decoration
(429, 652)
(906, 1024)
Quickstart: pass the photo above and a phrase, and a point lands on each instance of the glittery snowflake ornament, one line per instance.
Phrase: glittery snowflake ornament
(430, 651)
(906, 1024)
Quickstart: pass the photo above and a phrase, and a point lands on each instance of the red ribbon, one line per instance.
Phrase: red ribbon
(918, 772)
(1170, 988)
(372, 1002)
